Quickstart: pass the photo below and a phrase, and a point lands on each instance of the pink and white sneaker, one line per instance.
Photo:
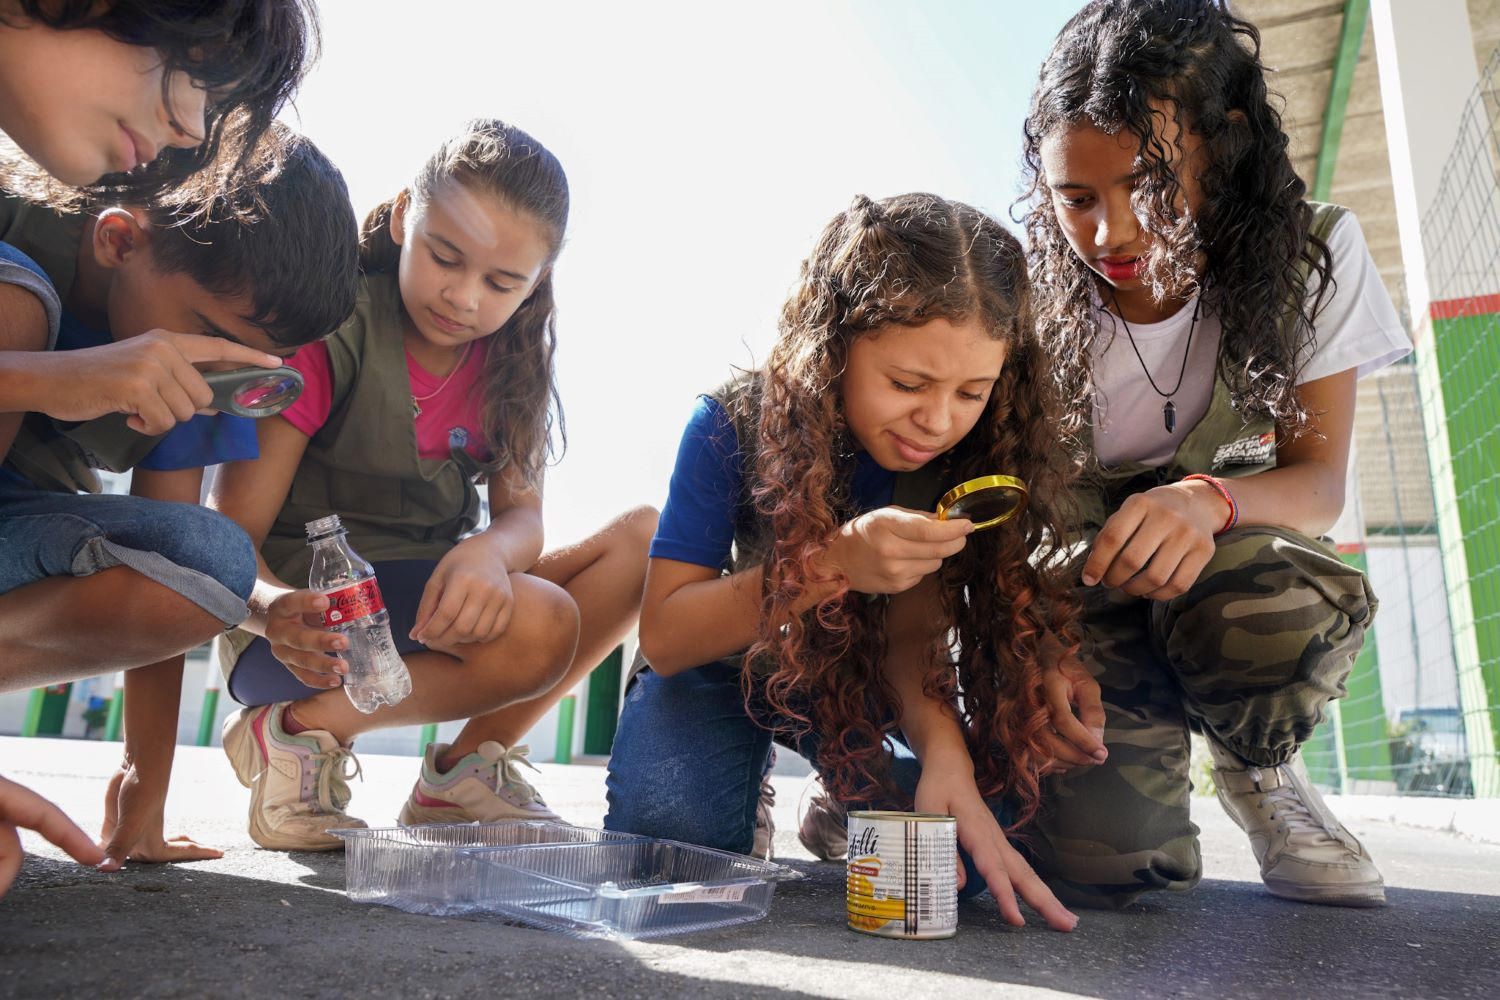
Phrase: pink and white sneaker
(299, 785)
(483, 787)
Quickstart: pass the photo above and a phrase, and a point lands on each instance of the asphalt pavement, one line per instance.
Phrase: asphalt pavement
(262, 924)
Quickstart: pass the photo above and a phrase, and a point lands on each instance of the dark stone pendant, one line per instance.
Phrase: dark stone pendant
(1169, 416)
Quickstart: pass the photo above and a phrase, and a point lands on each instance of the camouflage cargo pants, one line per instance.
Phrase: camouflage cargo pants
(1251, 654)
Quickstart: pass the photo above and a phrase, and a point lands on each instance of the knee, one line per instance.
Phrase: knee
(640, 523)
(635, 529)
(221, 550)
(1269, 595)
(545, 624)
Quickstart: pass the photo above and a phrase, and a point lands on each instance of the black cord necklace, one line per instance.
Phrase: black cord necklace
(1168, 409)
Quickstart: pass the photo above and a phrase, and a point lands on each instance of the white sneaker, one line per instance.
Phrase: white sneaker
(1305, 853)
(484, 787)
(299, 785)
(822, 822)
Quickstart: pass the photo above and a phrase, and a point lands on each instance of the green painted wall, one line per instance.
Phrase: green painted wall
(1470, 370)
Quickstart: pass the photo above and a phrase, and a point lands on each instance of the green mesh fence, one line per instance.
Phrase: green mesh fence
(1423, 710)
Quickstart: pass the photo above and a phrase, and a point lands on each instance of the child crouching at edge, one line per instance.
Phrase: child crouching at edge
(265, 262)
(800, 590)
(440, 380)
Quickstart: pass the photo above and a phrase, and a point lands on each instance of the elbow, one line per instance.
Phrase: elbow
(658, 650)
(1327, 513)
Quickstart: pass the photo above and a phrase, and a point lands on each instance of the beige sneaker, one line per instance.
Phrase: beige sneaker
(484, 787)
(823, 823)
(765, 825)
(1305, 853)
(299, 785)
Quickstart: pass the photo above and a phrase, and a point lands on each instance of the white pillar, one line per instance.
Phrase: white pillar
(1424, 50)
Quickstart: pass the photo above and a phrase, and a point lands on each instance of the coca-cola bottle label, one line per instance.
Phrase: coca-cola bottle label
(352, 603)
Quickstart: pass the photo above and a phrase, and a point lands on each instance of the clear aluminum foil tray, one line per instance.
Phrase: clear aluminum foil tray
(625, 889)
(424, 869)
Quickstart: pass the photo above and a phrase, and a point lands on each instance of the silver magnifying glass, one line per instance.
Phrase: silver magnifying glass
(254, 392)
(987, 501)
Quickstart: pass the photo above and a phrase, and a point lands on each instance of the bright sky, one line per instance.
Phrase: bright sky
(705, 144)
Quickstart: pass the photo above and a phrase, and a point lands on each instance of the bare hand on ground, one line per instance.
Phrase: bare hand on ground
(133, 809)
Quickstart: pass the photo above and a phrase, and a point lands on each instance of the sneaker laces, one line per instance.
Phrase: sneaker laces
(767, 796)
(334, 769)
(1302, 826)
(509, 775)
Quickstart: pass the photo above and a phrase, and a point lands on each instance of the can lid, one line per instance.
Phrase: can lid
(903, 817)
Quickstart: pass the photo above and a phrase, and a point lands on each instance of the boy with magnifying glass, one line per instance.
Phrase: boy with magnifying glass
(269, 263)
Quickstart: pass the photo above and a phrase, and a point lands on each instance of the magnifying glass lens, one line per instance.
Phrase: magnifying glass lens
(254, 392)
(986, 505)
(273, 392)
(987, 501)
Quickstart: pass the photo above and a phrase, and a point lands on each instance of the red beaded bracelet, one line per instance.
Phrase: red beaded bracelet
(1223, 491)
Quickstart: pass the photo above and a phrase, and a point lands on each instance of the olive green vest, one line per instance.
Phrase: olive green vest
(1224, 443)
(52, 454)
(362, 464)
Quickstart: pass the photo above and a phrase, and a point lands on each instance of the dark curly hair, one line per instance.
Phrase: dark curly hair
(250, 55)
(1131, 66)
(523, 418)
(906, 261)
(284, 236)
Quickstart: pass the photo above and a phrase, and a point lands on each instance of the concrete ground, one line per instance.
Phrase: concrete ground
(261, 924)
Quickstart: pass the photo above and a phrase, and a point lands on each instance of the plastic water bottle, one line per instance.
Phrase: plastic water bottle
(376, 674)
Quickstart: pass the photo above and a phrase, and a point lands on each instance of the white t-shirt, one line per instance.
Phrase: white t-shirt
(1357, 328)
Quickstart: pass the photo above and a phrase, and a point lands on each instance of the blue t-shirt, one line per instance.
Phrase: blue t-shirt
(697, 521)
(200, 441)
(16, 268)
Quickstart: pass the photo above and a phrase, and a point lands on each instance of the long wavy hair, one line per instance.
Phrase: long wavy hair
(523, 418)
(1128, 66)
(906, 261)
(251, 55)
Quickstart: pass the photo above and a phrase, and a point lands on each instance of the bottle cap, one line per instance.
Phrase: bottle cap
(323, 527)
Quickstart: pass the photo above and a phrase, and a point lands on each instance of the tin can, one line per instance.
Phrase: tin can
(903, 874)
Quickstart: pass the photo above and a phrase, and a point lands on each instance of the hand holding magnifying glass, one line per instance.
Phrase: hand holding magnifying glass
(988, 501)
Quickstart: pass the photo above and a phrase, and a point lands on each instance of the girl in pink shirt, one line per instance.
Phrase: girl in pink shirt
(442, 380)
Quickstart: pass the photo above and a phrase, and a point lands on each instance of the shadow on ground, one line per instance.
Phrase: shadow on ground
(192, 932)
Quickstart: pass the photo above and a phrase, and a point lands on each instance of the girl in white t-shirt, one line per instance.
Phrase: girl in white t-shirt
(1210, 324)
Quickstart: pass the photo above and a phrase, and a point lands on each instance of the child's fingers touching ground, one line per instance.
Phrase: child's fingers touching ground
(21, 807)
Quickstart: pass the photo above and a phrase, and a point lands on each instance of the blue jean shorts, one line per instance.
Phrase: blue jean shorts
(201, 555)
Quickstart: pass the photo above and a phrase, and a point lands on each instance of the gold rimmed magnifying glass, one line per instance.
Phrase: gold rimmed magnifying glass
(987, 501)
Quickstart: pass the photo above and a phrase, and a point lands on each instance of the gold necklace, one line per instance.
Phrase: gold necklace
(417, 401)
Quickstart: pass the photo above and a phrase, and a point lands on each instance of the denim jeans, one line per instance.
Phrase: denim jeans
(201, 555)
(688, 759)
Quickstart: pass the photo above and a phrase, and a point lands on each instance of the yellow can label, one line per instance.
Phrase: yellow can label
(903, 874)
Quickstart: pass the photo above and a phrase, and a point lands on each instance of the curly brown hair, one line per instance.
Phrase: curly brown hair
(906, 261)
(523, 419)
(1124, 65)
